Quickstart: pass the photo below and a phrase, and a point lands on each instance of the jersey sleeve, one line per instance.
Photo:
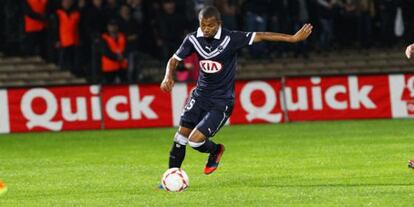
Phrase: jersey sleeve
(185, 49)
(242, 39)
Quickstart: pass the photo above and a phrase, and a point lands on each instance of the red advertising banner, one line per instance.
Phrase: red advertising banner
(54, 108)
(136, 106)
(260, 101)
(257, 102)
(339, 97)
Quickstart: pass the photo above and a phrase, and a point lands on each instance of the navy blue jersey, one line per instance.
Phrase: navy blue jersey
(217, 57)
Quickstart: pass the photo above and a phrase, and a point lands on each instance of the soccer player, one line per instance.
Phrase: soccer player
(408, 52)
(211, 102)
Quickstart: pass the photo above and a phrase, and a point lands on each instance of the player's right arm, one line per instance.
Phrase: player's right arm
(168, 83)
(409, 51)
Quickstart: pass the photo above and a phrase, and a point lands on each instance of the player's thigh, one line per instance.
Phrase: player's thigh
(191, 116)
(212, 122)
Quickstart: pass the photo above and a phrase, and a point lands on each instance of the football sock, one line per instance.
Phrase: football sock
(177, 155)
(207, 146)
(177, 152)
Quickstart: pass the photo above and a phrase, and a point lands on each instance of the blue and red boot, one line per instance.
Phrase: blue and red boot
(214, 160)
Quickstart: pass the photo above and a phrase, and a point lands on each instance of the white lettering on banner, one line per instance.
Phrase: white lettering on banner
(396, 87)
(111, 108)
(262, 112)
(41, 120)
(302, 102)
(140, 107)
(69, 115)
(410, 86)
(4, 112)
(316, 94)
(96, 103)
(179, 96)
(330, 97)
(359, 96)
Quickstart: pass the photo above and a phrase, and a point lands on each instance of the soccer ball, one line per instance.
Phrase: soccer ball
(175, 180)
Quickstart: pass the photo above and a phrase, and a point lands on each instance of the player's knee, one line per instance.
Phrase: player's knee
(180, 139)
(184, 131)
(196, 137)
(195, 144)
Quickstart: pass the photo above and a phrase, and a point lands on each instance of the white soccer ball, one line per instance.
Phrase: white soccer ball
(175, 180)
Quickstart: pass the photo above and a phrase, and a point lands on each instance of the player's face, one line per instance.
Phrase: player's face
(209, 26)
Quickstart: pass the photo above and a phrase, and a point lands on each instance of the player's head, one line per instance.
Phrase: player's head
(210, 21)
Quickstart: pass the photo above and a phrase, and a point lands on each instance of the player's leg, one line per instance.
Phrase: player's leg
(191, 115)
(208, 127)
(177, 152)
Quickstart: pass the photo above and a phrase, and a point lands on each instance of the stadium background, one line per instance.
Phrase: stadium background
(352, 68)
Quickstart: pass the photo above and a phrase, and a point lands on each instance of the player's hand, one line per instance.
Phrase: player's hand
(167, 84)
(409, 51)
(303, 33)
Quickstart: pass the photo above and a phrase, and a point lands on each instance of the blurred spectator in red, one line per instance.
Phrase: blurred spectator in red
(114, 63)
(190, 69)
(68, 18)
(35, 23)
(192, 64)
(170, 29)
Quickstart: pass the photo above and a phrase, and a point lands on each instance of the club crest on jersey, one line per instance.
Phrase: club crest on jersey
(209, 66)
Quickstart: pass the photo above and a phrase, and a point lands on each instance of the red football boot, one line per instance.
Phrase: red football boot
(214, 160)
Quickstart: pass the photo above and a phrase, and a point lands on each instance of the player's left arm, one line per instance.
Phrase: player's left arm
(409, 51)
(300, 35)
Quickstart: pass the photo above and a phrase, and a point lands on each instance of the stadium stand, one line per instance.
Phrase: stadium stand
(33, 71)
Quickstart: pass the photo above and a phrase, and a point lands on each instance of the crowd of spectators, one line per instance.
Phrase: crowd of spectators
(72, 32)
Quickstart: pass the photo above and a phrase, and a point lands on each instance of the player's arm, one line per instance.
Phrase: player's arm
(300, 35)
(168, 82)
(409, 51)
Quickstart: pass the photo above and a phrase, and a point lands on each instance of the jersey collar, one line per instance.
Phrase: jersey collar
(217, 36)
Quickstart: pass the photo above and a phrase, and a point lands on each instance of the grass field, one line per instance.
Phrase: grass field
(350, 163)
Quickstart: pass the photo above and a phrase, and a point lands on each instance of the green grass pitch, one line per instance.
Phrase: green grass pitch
(345, 163)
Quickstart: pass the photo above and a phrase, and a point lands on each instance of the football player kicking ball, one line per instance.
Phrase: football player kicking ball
(408, 52)
(211, 102)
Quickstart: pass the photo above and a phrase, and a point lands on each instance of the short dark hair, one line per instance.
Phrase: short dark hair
(209, 11)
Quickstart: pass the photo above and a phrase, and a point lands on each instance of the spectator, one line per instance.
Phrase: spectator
(137, 10)
(68, 18)
(170, 29)
(256, 14)
(366, 12)
(114, 63)
(387, 10)
(111, 9)
(326, 13)
(35, 23)
(129, 27)
(228, 9)
(279, 21)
